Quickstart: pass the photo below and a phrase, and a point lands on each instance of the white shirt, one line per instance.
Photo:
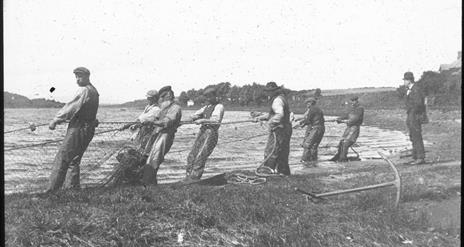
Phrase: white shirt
(150, 114)
(72, 107)
(409, 88)
(217, 115)
(278, 108)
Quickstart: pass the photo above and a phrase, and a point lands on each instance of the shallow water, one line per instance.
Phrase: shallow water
(28, 169)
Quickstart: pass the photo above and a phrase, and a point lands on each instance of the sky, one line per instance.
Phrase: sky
(132, 46)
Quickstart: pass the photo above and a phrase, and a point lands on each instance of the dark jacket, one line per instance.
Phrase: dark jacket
(313, 117)
(415, 101)
(355, 116)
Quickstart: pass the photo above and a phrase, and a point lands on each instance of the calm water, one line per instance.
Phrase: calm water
(28, 169)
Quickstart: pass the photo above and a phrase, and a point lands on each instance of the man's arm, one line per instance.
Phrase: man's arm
(305, 119)
(278, 108)
(173, 116)
(198, 114)
(149, 116)
(71, 108)
(216, 116)
(356, 116)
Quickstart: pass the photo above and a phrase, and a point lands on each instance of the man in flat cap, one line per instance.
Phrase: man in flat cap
(146, 135)
(209, 117)
(278, 143)
(166, 128)
(81, 112)
(353, 120)
(416, 116)
(313, 118)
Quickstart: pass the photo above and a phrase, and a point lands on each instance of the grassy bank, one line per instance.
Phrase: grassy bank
(271, 214)
(231, 215)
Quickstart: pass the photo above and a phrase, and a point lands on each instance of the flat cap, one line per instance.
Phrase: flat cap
(81, 70)
(152, 93)
(354, 98)
(271, 86)
(408, 76)
(165, 89)
(209, 90)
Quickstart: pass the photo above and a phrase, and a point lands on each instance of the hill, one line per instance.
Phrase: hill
(362, 90)
(12, 100)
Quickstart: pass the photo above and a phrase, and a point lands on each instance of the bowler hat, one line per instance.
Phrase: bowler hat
(271, 86)
(164, 89)
(152, 93)
(81, 70)
(408, 76)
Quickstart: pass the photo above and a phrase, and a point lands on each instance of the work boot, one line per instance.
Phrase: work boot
(337, 155)
(345, 145)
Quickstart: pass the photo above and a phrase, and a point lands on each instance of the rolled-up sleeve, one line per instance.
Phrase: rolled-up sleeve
(198, 114)
(218, 113)
(149, 116)
(305, 119)
(278, 108)
(72, 107)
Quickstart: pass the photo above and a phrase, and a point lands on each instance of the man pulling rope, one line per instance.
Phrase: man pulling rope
(209, 117)
(82, 112)
(280, 131)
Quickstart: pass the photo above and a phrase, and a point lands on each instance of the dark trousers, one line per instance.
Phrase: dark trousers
(342, 152)
(277, 149)
(415, 135)
(311, 142)
(69, 156)
(204, 145)
(160, 148)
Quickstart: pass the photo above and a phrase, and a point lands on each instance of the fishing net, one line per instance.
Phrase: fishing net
(29, 155)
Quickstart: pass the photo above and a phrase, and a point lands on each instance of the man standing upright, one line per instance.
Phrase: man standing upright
(209, 117)
(353, 120)
(166, 128)
(146, 136)
(415, 108)
(314, 120)
(278, 143)
(81, 112)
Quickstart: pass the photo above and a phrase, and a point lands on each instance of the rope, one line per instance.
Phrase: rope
(238, 140)
(240, 178)
(273, 172)
(53, 141)
(31, 127)
(357, 154)
(225, 123)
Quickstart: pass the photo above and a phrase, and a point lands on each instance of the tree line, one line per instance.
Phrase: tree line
(246, 95)
(441, 88)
